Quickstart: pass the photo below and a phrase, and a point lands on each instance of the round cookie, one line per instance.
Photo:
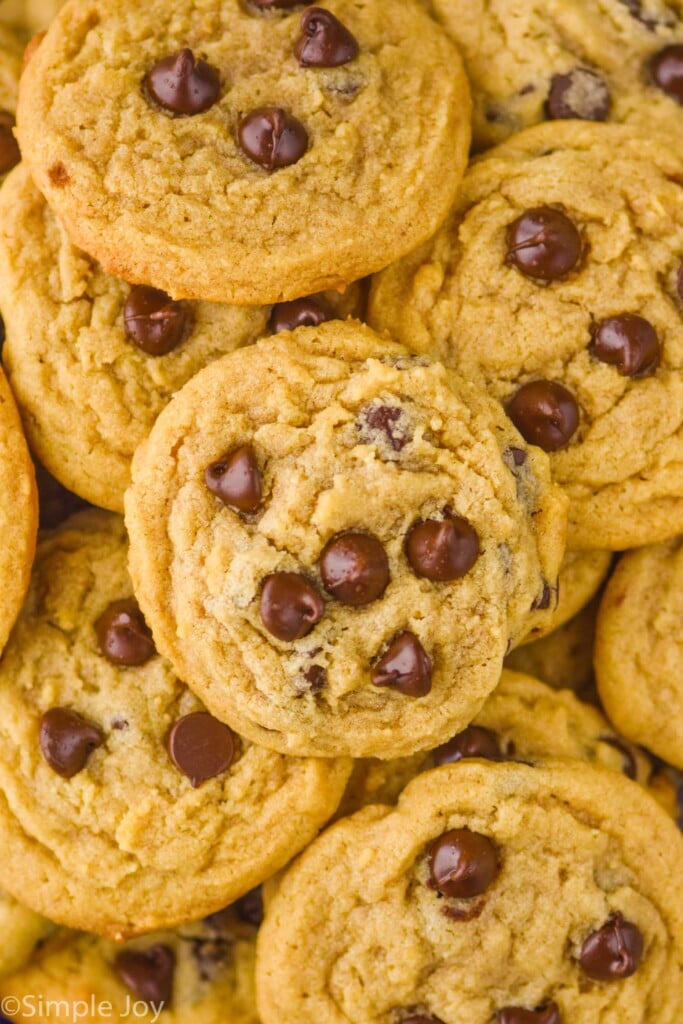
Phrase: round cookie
(245, 152)
(490, 888)
(201, 973)
(588, 357)
(121, 810)
(334, 542)
(639, 649)
(22, 931)
(530, 61)
(581, 574)
(18, 512)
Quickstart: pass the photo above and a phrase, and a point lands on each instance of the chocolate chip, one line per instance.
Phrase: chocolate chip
(442, 549)
(543, 243)
(628, 342)
(549, 1013)
(405, 666)
(579, 94)
(324, 42)
(272, 137)
(123, 635)
(316, 678)
(9, 148)
(67, 740)
(386, 419)
(249, 908)
(181, 85)
(474, 741)
(354, 568)
(201, 747)
(462, 864)
(542, 602)
(545, 413)
(148, 974)
(308, 312)
(153, 321)
(515, 456)
(666, 68)
(290, 606)
(629, 763)
(613, 952)
(236, 479)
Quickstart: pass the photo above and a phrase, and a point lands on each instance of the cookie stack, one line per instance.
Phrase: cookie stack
(322, 700)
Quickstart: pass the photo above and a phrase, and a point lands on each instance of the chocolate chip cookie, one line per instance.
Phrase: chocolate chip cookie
(580, 577)
(22, 931)
(247, 153)
(124, 806)
(568, 296)
(335, 542)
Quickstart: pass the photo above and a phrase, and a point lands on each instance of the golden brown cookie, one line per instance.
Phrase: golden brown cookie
(22, 931)
(580, 577)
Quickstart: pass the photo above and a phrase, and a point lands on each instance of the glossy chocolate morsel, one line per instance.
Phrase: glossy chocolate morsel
(290, 606)
(182, 85)
(666, 68)
(149, 975)
(235, 478)
(442, 550)
(324, 41)
(474, 741)
(123, 635)
(354, 568)
(405, 666)
(462, 864)
(543, 243)
(628, 342)
(201, 747)
(67, 740)
(153, 321)
(272, 138)
(613, 952)
(545, 413)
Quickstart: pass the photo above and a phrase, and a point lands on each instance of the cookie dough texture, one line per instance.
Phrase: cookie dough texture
(87, 394)
(581, 574)
(175, 202)
(514, 48)
(355, 934)
(18, 512)
(639, 649)
(21, 930)
(127, 845)
(306, 402)
(457, 297)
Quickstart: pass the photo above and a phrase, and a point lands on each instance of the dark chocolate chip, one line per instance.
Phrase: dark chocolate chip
(9, 148)
(324, 41)
(67, 740)
(272, 137)
(236, 479)
(545, 413)
(308, 312)
(613, 952)
(442, 549)
(518, 456)
(543, 243)
(316, 677)
(462, 864)
(628, 342)
(629, 763)
(354, 568)
(148, 974)
(123, 635)
(153, 321)
(249, 908)
(549, 1013)
(474, 741)
(387, 419)
(405, 666)
(290, 606)
(666, 68)
(181, 85)
(542, 602)
(201, 747)
(579, 94)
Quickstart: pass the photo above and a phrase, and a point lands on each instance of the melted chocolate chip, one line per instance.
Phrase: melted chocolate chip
(442, 549)
(324, 42)
(474, 741)
(543, 243)
(549, 1013)
(123, 635)
(613, 952)
(629, 763)
(249, 908)
(628, 342)
(153, 321)
(316, 677)
(387, 419)
(236, 479)
(290, 606)
(181, 85)
(272, 138)
(545, 413)
(308, 312)
(148, 974)
(405, 666)
(201, 747)
(354, 568)
(462, 864)
(67, 740)
(666, 68)
(579, 94)
(9, 148)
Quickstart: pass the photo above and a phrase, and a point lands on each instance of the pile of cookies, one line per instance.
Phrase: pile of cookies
(345, 345)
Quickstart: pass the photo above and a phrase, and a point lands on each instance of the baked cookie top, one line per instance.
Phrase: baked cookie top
(598, 60)
(124, 807)
(326, 532)
(567, 295)
(22, 930)
(492, 892)
(246, 153)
